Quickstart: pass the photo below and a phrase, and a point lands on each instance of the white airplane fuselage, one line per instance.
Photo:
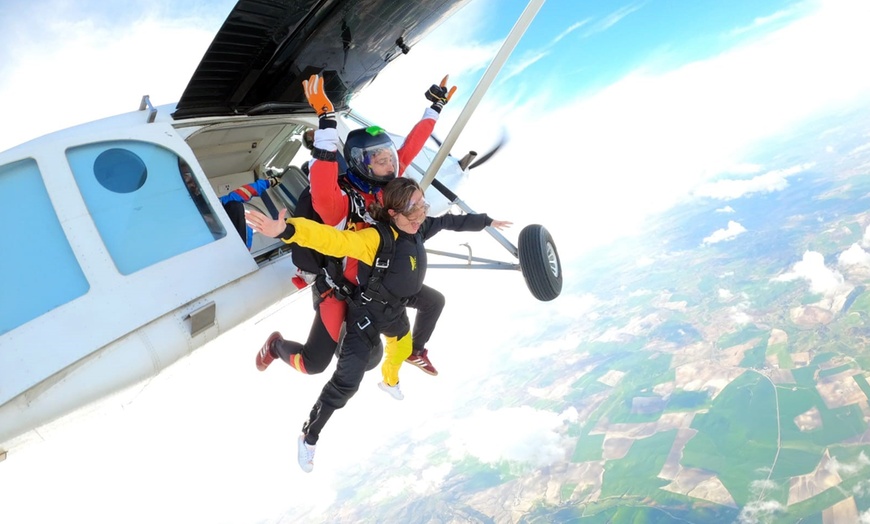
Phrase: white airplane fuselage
(128, 264)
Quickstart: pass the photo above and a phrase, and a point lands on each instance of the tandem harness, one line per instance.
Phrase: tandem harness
(374, 291)
(330, 278)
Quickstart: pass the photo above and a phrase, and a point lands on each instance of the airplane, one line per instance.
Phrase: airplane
(138, 264)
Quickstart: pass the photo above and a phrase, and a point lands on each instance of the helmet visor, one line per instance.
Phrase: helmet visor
(382, 161)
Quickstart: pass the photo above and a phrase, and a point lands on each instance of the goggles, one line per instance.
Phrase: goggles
(415, 207)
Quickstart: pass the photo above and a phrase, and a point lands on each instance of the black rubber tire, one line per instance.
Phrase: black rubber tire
(539, 262)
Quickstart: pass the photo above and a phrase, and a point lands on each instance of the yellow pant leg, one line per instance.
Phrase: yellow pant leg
(395, 352)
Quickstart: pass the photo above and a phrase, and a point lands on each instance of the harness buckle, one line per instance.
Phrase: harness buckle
(382, 264)
(368, 322)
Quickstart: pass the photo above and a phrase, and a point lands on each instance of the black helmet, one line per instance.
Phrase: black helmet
(371, 155)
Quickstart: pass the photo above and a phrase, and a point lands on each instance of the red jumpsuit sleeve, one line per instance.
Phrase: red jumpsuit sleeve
(414, 142)
(327, 197)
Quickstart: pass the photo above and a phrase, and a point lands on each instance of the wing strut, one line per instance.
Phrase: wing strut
(495, 66)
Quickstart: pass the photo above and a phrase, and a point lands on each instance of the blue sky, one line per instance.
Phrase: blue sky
(634, 107)
(613, 112)
(647, 100)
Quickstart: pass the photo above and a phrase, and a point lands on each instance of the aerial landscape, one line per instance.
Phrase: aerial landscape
(703, 168)
(720, 377)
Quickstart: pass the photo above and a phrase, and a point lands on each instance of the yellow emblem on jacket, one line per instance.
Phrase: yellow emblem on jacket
(413, 263)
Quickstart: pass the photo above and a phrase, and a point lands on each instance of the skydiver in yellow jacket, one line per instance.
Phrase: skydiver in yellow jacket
(382, 310)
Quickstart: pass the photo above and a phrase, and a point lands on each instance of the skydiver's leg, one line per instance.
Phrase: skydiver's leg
(346, 379)
(314, 356)
(398, 349)
(375, 355)
(429, 304)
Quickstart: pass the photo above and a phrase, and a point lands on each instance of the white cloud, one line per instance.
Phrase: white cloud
(431, 478)
(764, 21)
(739, 315)
(762, 485)
(744, 168)
(522, 434)
(726, 209)
(428, 480)
(573, 27)
(848, 469)
(766, 183)
(570, 415)
(862, 488)
(865, 240)
(729, 233)
(683, 126)
(76, 69)
(613, 18)
(757, 512)
(812, 268)
(644, 261)
(854, 256)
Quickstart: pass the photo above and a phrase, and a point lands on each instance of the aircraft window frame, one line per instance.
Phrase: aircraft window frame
(42, 271)
(163, 217)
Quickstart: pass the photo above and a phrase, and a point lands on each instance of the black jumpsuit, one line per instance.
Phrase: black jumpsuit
(367, 320)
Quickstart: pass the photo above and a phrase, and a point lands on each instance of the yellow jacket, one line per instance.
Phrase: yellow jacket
(361, 245)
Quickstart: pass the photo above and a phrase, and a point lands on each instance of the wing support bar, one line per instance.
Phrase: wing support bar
(458, 202)
(495, 66)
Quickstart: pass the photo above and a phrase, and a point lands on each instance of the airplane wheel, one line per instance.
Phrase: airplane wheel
(539, 262)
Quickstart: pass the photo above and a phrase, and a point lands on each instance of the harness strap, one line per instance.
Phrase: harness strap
(332, 270)
(374, 290)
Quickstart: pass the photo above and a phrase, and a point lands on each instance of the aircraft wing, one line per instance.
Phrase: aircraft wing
(265, 48)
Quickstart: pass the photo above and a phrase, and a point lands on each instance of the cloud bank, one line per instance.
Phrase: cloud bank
(729, 233)
(766, 183)
(521, 434)
(812, 269)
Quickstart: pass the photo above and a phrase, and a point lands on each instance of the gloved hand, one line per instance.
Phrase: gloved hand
(273, 172)
(439, 95)
(317, 98)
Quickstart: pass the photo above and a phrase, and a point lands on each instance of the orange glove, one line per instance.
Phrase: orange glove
(316, 96)
(439, 95)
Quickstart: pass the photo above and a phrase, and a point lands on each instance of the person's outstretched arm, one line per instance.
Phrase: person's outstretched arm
(416, 139)
(327, 197)
(469, 222)
(361, 245)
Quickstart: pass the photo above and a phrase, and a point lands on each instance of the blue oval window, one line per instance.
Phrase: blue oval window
(120, 170)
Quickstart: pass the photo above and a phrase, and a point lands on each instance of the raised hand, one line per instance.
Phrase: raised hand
(316, 96)
(439, 95)
(266, 225)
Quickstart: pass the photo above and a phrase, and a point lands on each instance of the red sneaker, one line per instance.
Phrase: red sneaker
(421, 360)
(265, 355)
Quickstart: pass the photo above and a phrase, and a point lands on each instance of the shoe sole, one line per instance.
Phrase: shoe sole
(264, 350)
(422, 367)
(388, 392)
(307, 467)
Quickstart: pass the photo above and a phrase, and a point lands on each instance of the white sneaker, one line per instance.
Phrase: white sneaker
(306, 454)
(394, 391)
